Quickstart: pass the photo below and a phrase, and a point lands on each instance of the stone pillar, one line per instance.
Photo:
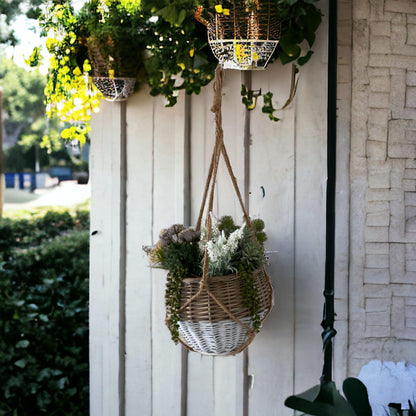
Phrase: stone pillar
(383, 183)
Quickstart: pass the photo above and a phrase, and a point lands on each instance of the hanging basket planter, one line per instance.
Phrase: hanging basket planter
(106, 74)
(215, 321)
(218, 292)
(115, 89)
(244, 36)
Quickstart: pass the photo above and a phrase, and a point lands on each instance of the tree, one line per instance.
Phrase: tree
(9, 10)
(23, 99)
(25, 124)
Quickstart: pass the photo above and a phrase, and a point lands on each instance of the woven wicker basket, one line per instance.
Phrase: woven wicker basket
(220, 326)
(245, 38)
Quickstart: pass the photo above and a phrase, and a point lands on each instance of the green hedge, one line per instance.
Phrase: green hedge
(44, 268)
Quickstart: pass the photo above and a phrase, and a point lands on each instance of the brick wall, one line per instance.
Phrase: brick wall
(383, 183)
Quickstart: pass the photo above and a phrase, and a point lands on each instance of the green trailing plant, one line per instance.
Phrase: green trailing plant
(161, 39)
(232, 249)
(179, 55)
(107, 29)
(268, 106)
(300, 21)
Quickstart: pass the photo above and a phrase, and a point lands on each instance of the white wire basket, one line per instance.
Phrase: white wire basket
(113, 88)
(244, 36)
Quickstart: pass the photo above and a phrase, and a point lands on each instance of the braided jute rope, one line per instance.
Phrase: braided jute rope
(207, 203)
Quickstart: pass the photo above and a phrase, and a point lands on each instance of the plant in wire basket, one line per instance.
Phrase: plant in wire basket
(100, 39)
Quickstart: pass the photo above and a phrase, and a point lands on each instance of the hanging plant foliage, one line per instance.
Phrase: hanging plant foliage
(160, 43)
(243, 34)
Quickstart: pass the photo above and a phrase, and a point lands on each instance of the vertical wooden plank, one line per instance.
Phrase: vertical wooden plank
(105, 259)
(228, 371)
(168, 208)
(272, 189)
(139, 276)
(311, 174)
(200, 368)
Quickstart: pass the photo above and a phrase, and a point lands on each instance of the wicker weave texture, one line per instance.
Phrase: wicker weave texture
(228, 291)
(220, 324)
(215, 338)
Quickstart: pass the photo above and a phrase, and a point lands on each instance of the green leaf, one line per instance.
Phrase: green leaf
(304, 59)
(20, 363)
(43, 317)
(171, 15)
(24, 343)
(181, 17)
(289, 47)
(200, 61)
(62, 382)
(321, 400)
(284, 58)
(356, 393)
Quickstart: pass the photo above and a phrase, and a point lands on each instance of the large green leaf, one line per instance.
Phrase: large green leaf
(304, 59)
(321, 400)
(356, 393)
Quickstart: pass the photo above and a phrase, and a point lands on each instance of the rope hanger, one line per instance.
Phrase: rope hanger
(219, 149)
(207, 203)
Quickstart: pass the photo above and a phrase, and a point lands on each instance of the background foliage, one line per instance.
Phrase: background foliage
(25, 124)
(9, 10)
(44, 267)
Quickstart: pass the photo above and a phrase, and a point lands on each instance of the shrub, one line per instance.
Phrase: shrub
(44, 316)
(35, 228)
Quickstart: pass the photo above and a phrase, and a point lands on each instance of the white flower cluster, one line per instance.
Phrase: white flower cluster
(220, 249)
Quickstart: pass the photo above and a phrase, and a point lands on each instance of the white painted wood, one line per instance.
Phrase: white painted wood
(272, 167)
(210, 377)
(168, 208)
(200, 368)
(288, 159)
(228, 371)
(311, 174)
(105, 260)
(139, 276)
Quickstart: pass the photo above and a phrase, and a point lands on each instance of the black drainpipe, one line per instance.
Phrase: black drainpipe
(329, 315)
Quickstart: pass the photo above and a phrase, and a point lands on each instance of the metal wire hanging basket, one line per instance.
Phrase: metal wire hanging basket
(244, 36)
(113, 87)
